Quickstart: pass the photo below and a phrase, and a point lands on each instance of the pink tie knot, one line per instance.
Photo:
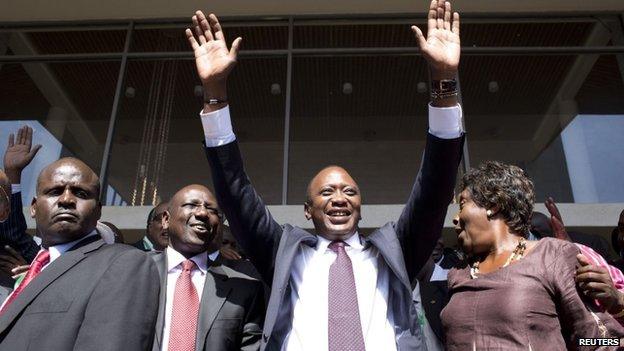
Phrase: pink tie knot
(337, 246)
(188, 266)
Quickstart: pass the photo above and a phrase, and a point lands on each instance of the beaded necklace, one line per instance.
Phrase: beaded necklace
(517, 254)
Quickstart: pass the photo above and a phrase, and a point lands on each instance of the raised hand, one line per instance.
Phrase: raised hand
(556, 222)
(441, 47)
(213, 59)
(19, 153)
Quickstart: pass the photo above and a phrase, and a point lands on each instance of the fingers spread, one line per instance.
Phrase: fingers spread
(447, 15)
(420, 38)
(29, 134)
(235, 48)
(216, 27)
(432, 15)
(198, 31)
(191, 39)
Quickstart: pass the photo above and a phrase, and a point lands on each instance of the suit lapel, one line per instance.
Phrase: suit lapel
(386, 241)
(288, 248)
(161, 263)
(45, 278)
(216, 289)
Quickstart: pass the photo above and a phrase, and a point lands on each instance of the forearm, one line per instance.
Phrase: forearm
(422, 219)
(249, 219)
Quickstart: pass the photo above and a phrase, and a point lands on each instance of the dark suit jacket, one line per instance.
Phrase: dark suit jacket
(404, 246)
(434, 297)
(231, 309)
(13, 231)
(93, 297)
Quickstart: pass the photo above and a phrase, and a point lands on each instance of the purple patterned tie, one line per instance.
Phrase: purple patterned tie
(345, 327)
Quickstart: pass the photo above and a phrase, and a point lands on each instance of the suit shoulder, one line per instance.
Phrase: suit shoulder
(128, 252)
(241, 269)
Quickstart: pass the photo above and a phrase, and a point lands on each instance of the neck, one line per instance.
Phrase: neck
(504, 243)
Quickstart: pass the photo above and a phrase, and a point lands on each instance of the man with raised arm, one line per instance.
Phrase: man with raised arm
(337, 290)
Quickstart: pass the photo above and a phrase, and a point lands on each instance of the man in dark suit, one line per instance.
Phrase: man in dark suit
(337, 290)
(156, 238)
(79, 294)
(206, 302)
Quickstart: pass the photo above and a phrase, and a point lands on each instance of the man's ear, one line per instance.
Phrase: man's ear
(307, 210)
(33, 210)
(164, 220)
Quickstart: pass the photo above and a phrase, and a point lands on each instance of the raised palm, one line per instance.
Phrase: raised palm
(20, 152)
(213, 59)
(441, 47)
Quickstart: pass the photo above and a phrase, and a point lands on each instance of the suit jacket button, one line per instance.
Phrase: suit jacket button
(433, 301)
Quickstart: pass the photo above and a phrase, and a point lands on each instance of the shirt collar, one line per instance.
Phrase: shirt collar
(57, 250)
(175, 259)
(353, 242)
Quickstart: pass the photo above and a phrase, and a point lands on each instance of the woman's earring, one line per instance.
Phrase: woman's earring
(488, 213)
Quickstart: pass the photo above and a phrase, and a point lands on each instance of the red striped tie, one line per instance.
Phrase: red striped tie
(42, 258)
(185, 311)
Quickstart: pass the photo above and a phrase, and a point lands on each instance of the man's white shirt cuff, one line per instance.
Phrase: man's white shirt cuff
(217, 127)
(446, 122)
(16, 188)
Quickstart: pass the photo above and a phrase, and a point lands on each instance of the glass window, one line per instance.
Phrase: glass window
(157, 145)
(81, 40)
(173, 38)
(69, 114)
(516, 108)
(327, 35)
(366, 114)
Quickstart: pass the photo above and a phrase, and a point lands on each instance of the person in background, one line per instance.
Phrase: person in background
(205, 302)
(511, 293)
(595, 278)
(156, 238)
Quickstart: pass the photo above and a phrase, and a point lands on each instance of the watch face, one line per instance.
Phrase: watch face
(444, 85)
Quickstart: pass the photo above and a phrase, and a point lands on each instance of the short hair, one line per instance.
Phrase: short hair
(152, 212)
(505, 187)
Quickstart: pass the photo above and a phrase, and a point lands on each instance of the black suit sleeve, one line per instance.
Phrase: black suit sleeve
(250, 221)
(123, 304)
(252, 328)
(420, 225)
(13, 231)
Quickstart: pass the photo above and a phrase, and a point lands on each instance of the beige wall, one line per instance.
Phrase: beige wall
(42, 10)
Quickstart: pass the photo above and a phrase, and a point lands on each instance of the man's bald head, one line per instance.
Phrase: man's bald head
(72, 166)
(193, 221)
(67, 205)
(322, 175)
(333, 203)
(5, 197)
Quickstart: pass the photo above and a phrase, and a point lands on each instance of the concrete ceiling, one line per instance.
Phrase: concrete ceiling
(61, 10)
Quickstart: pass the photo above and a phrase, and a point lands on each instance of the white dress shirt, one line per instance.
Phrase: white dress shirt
(174, 268)
(310, 271)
